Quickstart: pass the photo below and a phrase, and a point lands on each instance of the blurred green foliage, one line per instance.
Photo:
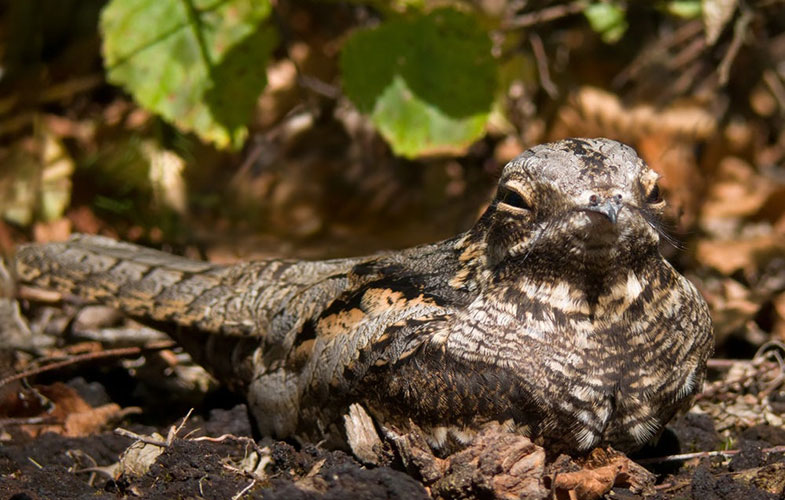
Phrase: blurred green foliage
(428, 81)
(426, 76)
(431, 76)
(200, 64)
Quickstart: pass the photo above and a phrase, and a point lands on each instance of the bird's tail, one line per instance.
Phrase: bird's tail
(190, 300)
(141, 282)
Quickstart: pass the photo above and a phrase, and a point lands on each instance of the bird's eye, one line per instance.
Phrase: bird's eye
(654, 195)
(513, 199)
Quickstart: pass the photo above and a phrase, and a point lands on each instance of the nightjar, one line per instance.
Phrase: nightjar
(555, 315)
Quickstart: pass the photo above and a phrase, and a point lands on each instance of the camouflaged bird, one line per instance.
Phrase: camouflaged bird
(555, 315)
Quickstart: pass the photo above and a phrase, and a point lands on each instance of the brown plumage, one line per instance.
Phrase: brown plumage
(555, 315)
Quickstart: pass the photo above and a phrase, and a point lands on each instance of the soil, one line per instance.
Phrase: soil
(55, 466)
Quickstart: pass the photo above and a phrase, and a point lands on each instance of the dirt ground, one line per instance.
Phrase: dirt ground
(56, 466)
(121, 428)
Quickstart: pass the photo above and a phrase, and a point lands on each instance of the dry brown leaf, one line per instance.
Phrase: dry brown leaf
(586, 484)
(600, 471)
(729, 256)
(732, 306)
(137, 458)
(6, 240)
(681, 178)
(498, 463)
(84, 220)
(57, 230)
(72, 415)
(87, 422)
(595, 112)
(773, 209)
(737, 191)
(279, 96)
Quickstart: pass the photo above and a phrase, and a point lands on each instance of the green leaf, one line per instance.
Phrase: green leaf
(608, 19)
(428, 81)
(686, 9)
(200, 64)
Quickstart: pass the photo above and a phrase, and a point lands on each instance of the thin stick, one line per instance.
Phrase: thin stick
(739, 30)
(244, 490)
(242, 439)
(701, 454)
(7, 422)
(774, 84)
(139, 437)
(545, 15)
(726, 363)
(121, 352)
(182, 424)
(542, 66)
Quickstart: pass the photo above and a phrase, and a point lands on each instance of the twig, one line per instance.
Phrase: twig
(762, 360)
(542, 66)
(139, 437)
(121, 352)
(739, 30)
(671, 485)
(545, 15)
(7, 422)
(75, 455)
(701, 454)
(102, 469)
(173, 431)
(774, 83)
(677, 39)
(688, 54)
(244, 490)
(771, 344)
(682, 34)
(711, 391)
(724, 364)
(70, 88)
(182, 424)
(319, 86)
(241, 439)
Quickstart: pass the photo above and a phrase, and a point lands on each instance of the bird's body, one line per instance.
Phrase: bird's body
(555, 315)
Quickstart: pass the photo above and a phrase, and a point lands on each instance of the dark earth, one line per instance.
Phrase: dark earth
(55, 466)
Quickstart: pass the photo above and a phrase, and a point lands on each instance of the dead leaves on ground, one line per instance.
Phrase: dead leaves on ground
(770, 478)
(56, 408)
(592, 477)
(503, 465)
(748, 393)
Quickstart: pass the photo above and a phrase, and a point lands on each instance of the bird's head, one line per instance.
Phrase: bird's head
(577, 204)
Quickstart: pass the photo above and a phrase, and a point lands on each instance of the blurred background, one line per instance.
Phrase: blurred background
(229, 129)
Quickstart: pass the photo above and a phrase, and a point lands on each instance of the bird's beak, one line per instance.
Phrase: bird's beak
(609, 209)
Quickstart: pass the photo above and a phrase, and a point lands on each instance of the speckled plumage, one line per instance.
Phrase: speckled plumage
(555, 315)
